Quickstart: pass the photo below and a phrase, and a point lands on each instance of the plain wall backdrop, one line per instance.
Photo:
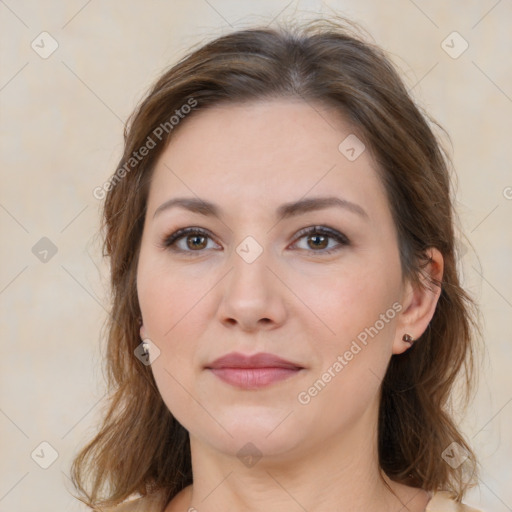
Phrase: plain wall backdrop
(71, 73)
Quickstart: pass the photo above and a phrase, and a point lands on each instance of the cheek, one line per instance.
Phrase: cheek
(353, 360)
(359, 307)
(168, 302)
(167, 311)
(166, 295)
(351, 299)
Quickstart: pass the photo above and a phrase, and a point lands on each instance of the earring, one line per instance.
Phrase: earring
(145, 348)
(408, 339)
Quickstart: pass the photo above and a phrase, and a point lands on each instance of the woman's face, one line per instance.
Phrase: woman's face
(253, 281)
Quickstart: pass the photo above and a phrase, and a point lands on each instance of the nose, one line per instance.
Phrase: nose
(252, 294)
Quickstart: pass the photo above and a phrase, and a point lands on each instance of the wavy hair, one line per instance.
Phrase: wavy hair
(144, 449)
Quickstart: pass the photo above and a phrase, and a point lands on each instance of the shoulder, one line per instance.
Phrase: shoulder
(152, 503)
(141, 504)
(442, 501)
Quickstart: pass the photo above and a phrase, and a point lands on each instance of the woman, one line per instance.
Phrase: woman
(287, 319)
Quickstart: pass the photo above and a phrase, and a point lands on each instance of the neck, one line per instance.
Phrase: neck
(341, 473)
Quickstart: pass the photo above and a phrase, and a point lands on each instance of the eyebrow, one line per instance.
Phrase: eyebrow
(284, 211)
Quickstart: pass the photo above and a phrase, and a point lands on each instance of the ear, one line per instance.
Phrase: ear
(143, 334)
(419, 303)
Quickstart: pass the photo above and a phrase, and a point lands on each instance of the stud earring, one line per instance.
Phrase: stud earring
(408, 339)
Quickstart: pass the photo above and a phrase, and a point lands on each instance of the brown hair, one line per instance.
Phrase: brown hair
(143, 449)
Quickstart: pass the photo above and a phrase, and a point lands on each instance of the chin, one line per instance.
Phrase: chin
(252, 444)
(267, 432)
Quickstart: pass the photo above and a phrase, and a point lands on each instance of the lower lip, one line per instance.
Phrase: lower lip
(251, 378)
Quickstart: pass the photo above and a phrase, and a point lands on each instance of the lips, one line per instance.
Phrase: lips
(260, 360)
(252, 372)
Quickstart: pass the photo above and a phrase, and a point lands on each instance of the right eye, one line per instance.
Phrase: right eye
(194, 240)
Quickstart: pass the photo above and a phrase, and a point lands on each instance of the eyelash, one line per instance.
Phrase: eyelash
(170, 240)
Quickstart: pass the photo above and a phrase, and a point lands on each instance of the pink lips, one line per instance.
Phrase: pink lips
(250, 372)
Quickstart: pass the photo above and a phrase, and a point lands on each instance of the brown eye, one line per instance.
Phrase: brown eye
(318, 241)
(318, 238)
(195, 240)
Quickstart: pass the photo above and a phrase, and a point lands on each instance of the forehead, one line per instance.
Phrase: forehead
(265, 153)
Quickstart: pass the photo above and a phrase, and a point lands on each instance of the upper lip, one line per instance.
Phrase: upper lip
(260, 360)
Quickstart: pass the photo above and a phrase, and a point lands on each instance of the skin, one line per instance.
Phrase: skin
(292, 301)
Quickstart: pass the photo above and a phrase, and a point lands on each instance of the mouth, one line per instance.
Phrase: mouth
(253, 372)
(253, 378)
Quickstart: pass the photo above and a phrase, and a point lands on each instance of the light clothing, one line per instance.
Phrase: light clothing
(440, 502)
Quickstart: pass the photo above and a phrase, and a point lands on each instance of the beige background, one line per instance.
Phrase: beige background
(61, 122)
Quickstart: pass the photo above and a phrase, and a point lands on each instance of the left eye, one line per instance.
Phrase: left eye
(318, 237)
(196, 239)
